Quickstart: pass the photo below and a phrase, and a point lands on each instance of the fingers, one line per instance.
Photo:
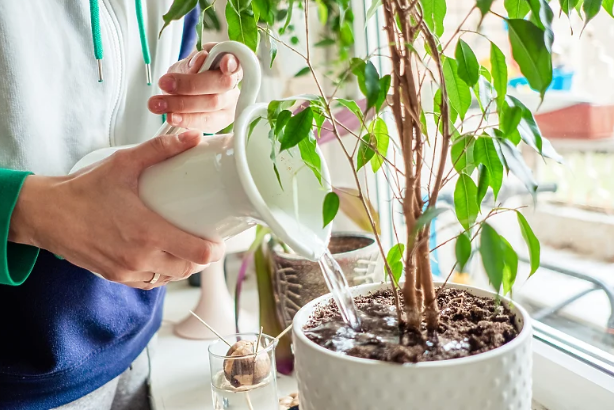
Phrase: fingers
(159, 149)
(206, 122)
(166, 237)
(172, 267)
(207, 82)
(191, 104)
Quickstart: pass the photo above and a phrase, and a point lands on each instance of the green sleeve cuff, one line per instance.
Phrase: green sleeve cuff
(16, 260)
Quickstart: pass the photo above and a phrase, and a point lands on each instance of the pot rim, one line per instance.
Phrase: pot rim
(526, 332)
(288, 256)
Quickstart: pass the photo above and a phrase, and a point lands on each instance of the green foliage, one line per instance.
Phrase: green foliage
(394, 258)
(242, 23)
(590, 8)
(297, 129)
(463, 250)
(178, 9)
(459, 93)
(485, 153)
(567, 6)
(517, 9)
(491, 247)
(434, 14)
(531, 53)
(468, 66)
(330, 208)
(465, 201)
(499, 72)
(484, 6)
(365, 151)
(532, 242)
(379, 129)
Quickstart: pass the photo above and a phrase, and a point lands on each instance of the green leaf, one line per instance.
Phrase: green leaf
(302, 72)
(531, 53)
(178, 9)
(325, 43)
(485, 153)
(514, 161)
(352, 106)
(542, 15)
(273, 46)
(264, 11)
(281, 121)
(373, 9)
(253, 125)
(242, 25)
(297, 129)
(368, 80)
(207, 19)
(462, 154)
(483, 91)
(429, 215)
(380, 131)
(499, 72)
(365, 152)
(483, 183)
(394, 258)
(463, 251)
(492, 257)
(384, 86)
(532, 242)
(509, 116)
(608, 6)
(590, 8)
(468, 66)
(517, 9)
(330, 208)
(282, 30)
(465, 201)
(510, 268)
(459, 93)
(307, 147)
(567, 6)
(434, 12)
(319, 119)
(484, 6)
(531, 134)
(277, 175)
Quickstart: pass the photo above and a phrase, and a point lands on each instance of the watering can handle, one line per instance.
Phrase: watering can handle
(250, 86)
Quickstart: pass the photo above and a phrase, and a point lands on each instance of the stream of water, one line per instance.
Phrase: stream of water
(338, 286)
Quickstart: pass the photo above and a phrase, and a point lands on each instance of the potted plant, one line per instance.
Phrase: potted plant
(423, 345)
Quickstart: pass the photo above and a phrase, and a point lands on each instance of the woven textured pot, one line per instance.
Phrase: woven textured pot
(297, 281)
(499, 379)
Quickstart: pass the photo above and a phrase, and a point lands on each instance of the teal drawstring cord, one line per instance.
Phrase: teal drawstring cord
(95, 20)
(97, 38)
(144, 44)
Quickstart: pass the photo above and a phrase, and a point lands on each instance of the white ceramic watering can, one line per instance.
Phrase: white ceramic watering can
(227, 184)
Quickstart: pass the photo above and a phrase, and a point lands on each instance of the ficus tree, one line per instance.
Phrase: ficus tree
(418, 161)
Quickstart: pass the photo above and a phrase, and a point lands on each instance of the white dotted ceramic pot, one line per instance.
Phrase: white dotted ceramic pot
(498, 379)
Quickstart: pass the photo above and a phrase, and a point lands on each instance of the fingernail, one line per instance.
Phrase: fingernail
(233, 65)
(176, 119)
(168, 84)
(159, 105)
(188, 136)
(193, 59)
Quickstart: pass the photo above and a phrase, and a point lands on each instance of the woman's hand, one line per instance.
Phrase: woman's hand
(95, 219)
(202, 101)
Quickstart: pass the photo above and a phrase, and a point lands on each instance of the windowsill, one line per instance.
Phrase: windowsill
(180, 369)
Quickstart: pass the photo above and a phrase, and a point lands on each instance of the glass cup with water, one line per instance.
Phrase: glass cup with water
(243, 375)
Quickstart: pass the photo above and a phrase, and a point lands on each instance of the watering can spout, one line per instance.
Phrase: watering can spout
(227, 183)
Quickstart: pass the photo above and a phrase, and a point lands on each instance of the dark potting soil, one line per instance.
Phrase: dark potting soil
(468, 325)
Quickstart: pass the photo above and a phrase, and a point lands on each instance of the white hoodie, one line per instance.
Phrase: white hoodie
(53, 110)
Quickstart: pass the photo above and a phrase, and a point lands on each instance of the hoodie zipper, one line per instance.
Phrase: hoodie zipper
(114, 62)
